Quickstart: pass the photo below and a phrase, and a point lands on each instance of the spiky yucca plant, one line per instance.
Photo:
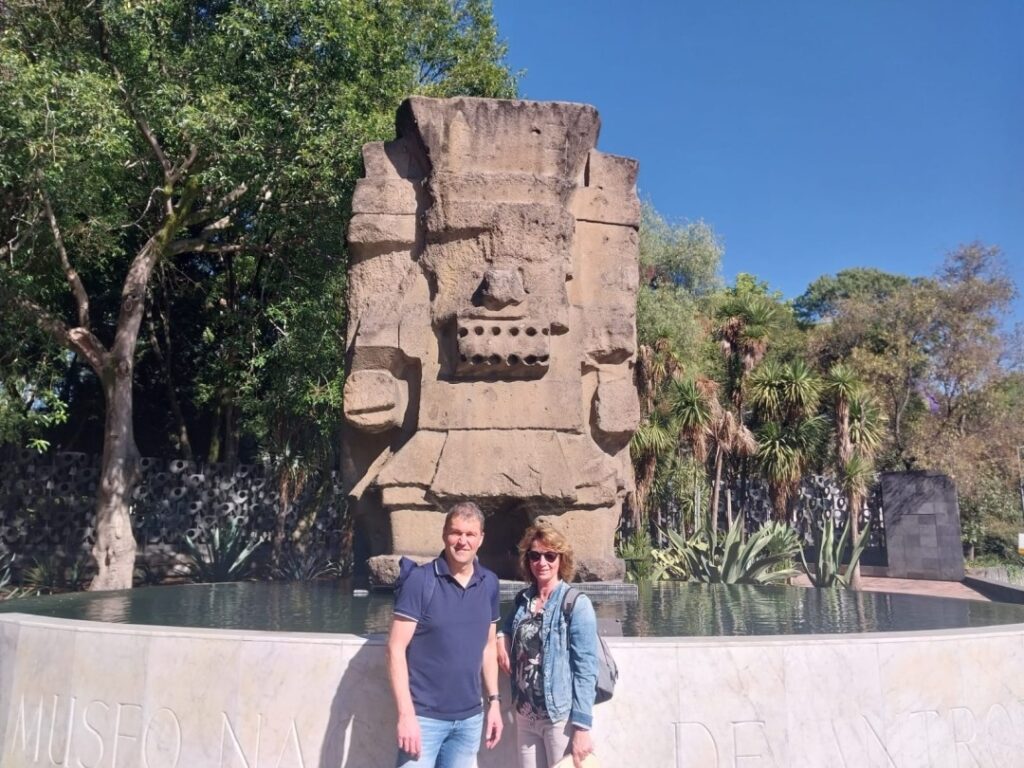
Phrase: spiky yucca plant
(763, 557)
(227, 557)
(830, 572)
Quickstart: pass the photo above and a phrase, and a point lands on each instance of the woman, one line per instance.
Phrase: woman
(552, 660)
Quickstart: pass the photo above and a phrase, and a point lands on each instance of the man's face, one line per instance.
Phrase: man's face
(462, 538)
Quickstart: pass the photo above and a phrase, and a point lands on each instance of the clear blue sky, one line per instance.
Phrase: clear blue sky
(813, 135)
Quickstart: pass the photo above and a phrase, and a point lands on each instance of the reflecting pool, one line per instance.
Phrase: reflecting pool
(669, 609)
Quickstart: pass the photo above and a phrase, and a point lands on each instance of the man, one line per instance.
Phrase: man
(442, 637)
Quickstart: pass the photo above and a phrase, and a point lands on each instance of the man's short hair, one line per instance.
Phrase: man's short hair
(465, 510)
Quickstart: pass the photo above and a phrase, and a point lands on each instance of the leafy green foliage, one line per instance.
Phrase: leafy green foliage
(679, 267)
(762, 557)
(244, 121)
(829, 571)
(228, 555)
(305, 565)
(822, 298)
(6, 564)
(636, 551)
(8, 590)
(990, 517)
(55, 572)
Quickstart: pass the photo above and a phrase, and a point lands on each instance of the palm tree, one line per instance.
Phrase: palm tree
(784, 451)
(732, 438)
(786, 398)
(745, 323)
(655, 438)
(656, 364)
(695, 408)
(858, 434)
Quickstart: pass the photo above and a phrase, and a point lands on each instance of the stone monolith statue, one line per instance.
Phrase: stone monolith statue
(492, 330)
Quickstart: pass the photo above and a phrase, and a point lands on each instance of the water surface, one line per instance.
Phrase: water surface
(660, 610)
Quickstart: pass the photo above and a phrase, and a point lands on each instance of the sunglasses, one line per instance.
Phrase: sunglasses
(534, 556)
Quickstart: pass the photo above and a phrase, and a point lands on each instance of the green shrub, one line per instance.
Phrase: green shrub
(228, 555)
(637, 552)
(829, 572)
(765, 556)
(308, 565)
(56, 572)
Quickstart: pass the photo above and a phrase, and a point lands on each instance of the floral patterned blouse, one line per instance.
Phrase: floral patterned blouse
(528, 666)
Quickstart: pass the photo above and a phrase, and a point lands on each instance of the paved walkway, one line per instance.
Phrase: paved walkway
(910, 586)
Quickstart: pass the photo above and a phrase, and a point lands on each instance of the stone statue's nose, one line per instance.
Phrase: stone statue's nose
(501, 287)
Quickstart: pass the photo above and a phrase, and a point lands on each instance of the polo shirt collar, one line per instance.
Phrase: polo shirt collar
(441, 569)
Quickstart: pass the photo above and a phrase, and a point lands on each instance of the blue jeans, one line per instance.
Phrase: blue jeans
(446, 743)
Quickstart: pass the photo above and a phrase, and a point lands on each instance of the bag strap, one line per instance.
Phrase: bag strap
(429, 586)
(569, 602)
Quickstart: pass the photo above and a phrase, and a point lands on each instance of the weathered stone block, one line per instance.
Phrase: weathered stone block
(375, 401)
(488, 464)
(616, 406)
(381, 228)
(388, 196)
(417, 531)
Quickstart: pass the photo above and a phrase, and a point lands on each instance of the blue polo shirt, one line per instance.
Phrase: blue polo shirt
(447, 648)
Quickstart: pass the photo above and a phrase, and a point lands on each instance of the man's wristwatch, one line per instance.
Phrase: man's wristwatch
(493, 697)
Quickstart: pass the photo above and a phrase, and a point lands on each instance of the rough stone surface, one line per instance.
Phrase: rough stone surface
(492, 335)
(384, 569)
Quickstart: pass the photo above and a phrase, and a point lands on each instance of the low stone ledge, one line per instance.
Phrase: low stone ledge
(995, 590)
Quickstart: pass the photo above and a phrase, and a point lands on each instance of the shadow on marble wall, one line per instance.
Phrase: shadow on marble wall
(351, 740)
(360, 731)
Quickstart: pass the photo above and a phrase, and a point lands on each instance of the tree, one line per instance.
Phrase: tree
(822, 298)
(856, 429)
(679, 270)
(786, 399)
(927, 351)
(218, 134)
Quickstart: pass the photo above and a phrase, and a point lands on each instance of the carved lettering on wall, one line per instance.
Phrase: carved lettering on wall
(96, 735)
(957, 736)
(258, 753)
(750, 745)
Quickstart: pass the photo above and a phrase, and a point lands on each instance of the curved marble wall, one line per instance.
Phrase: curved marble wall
(94, 695)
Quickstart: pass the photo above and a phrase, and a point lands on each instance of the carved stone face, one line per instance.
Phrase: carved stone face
(500, 292)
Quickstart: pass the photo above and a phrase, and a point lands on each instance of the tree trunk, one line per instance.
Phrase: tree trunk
(213, 452)
(231, 434)
(288, 488)
(644, 481)
(114, 550)
(184, 443)
(716, 488)
(856, 502)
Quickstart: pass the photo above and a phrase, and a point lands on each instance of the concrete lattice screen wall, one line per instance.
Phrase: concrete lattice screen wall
(47, 504)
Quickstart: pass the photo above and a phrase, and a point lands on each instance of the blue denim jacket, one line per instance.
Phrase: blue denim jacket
(570, 654)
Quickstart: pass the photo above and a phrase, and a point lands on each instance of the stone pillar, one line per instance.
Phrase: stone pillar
(922, 526)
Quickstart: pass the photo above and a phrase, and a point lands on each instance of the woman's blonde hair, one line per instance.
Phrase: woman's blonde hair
(554, 540)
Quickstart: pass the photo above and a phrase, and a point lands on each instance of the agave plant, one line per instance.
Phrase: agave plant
(6, 564)
(228, 555)
(308, 565)
(829, 572)
(763, 557)
(55, 572)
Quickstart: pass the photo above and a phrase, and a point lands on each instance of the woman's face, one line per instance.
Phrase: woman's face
(544, 563)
